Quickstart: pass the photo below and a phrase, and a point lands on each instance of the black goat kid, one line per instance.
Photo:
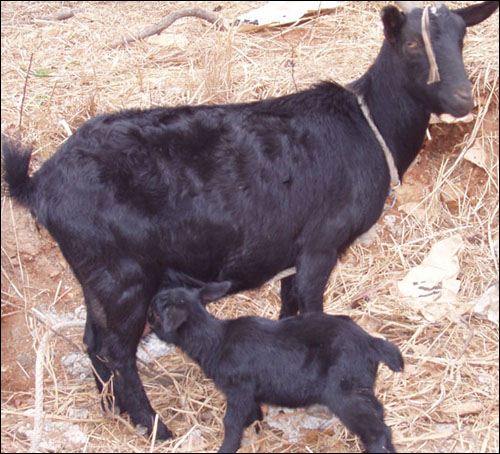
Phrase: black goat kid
(235, 192)
(311, 359)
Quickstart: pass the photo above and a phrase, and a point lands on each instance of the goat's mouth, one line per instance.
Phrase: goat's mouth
(460, 110)
(458, 106)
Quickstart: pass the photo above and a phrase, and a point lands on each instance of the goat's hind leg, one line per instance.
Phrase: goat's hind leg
(112, 341)
(128, 388)
(241, 411)
(95, 332)
(102, 374)
(363, 415)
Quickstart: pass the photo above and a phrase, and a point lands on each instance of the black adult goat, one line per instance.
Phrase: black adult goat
(298, 361)
(235, 192)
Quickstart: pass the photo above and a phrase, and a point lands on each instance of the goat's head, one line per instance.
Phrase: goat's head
(171, 308)
(451, 92)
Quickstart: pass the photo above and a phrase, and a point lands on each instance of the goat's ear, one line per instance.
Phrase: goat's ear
(474, 14)
(214, 291)
(393, 20)
(173, 317)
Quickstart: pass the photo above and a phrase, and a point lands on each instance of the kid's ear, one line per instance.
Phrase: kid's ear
(214, 291)
(393, 20)
(173, 317)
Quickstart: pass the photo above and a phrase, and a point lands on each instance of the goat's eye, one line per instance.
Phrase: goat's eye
(411, 44)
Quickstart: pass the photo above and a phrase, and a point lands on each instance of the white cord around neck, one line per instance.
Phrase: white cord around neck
(395, 182)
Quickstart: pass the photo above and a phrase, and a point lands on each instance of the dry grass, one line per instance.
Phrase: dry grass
(447, 399)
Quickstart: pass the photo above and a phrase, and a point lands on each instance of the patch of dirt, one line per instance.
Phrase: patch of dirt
(33, 264)
(17, 353)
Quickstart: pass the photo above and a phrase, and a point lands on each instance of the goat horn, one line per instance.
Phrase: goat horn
(409, 6)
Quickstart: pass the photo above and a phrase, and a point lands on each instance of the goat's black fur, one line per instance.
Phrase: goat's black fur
(298, 361)
(239, 192)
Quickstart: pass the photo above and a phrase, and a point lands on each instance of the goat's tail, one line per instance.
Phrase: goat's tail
(16, 159)
(389, 354)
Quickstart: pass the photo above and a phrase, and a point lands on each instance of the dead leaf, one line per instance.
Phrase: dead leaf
(410, 196)
(52, 31)
(369, 237)
(451, 193)
(193, 442)
(445, 428)
(370, 324)
(292, 421)
(477, 155)
(486, 306)
(416, 209)
(433, 285)
(177, 40)
(465, 408)
(311, 437)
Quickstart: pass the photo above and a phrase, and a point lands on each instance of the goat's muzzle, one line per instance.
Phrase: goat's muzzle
(462, 100)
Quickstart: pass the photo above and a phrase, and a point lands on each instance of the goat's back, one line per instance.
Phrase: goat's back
(308, 347)
(224, 192)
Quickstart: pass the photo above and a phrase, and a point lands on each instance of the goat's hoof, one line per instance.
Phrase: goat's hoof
(162, 432)
(141, 430)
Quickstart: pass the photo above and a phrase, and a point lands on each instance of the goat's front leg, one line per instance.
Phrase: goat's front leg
(240, 410)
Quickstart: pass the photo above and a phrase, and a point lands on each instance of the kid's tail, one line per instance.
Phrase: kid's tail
(389, 354)
(16, 160)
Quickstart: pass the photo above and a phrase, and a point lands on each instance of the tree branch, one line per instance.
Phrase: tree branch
(213, 18)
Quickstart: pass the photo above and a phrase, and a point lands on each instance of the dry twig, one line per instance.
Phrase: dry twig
(61, 15)
(24, 96)
(213, 18)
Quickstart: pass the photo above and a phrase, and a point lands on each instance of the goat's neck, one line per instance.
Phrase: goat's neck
(200, 339)
(401, 119)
